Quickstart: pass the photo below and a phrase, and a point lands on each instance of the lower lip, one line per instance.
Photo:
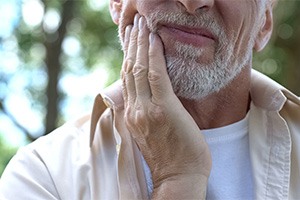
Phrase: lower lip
(185, 37)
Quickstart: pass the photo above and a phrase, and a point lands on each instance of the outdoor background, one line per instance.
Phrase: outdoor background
(55, 56)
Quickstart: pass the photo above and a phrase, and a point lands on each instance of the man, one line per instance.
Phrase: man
(190, 119)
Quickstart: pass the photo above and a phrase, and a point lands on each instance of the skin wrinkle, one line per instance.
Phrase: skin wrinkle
(226, 16)
(190, 79)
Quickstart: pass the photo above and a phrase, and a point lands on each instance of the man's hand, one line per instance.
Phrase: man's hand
(166, 134)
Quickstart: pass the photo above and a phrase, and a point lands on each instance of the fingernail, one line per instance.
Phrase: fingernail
(151, 37)
(127, 32)
(136, 19)
(141, 22)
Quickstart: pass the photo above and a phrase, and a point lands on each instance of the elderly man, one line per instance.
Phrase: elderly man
(189, 120)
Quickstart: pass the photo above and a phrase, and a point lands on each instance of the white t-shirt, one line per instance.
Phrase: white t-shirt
(231, 174)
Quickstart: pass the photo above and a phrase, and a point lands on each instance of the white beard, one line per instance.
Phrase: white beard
(192, 80)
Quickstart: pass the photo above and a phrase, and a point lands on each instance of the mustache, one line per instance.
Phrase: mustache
(202, 20)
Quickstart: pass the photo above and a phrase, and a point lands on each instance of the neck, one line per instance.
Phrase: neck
(225, 107)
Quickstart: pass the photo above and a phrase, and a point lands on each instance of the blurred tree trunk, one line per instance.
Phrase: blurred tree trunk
(53, 49)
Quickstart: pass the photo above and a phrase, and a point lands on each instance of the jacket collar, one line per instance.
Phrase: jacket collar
(266, 93)
(110, 97)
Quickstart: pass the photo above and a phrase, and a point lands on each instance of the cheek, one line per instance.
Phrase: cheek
(126, 17)
(146, 7)
(128, 12)
(240, 30)
(130, 8)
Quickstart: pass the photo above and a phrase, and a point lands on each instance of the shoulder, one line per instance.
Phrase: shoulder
(75, 131)
(53, 166)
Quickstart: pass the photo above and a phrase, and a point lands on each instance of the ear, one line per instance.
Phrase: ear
(265, 31)
(115, 7)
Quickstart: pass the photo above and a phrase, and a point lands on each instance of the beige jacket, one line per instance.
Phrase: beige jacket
(68, 164)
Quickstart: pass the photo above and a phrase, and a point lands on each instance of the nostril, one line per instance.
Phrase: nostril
(193, 6)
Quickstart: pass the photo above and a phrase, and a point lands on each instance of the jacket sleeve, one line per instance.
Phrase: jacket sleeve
(27, 177)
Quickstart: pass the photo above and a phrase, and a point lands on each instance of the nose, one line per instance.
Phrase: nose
(191, 6)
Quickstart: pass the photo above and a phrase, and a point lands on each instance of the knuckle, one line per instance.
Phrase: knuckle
(139, 70)
(157, 114)
(141, 41)
(140, 118)
(128, 116)
(154, 77)
(136, 119)
(129, 63)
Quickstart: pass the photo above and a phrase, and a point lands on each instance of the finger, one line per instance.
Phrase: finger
(125, 48)
(126, 41)
(140, 70)
(124, 89)
(130, 61)
(158, 77)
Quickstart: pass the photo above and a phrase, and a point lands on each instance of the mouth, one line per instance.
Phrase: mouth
(194, 36)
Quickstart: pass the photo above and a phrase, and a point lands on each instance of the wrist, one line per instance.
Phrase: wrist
(181, 187)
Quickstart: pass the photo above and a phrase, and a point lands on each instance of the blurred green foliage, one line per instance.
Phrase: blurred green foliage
(281, 58)
(7, 152)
